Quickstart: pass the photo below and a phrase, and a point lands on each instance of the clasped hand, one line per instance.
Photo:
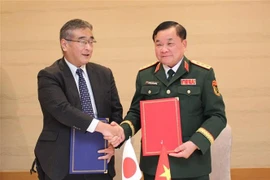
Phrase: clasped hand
(114, 134)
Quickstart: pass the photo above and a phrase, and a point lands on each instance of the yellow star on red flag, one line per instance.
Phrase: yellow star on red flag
(167, 173)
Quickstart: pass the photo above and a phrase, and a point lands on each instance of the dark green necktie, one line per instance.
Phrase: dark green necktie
(170, 73)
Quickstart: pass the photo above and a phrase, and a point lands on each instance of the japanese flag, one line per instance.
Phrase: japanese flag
(130, 166)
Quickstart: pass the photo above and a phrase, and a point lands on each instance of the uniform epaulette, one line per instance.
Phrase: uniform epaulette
(149, 65)
(200, 64)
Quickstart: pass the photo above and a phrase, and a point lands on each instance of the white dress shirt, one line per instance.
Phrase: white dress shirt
(174, 68)
(73, 69)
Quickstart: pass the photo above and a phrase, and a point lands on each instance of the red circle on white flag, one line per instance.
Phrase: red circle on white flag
(129, 167)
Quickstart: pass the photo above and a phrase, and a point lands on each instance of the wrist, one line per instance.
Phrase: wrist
(100, 127)
(195, 147)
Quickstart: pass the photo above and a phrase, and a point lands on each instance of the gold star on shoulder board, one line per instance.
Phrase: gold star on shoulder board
(149, 65)
(201, 64)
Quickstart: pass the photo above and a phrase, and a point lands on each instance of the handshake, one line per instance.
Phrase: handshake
(111, 132)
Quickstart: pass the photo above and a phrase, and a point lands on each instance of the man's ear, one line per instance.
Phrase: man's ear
(64, 44)
(185, 43)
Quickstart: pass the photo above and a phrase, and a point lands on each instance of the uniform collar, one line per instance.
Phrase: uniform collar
(174, 68)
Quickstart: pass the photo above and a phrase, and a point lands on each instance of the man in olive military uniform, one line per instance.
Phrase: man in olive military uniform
(201, 104)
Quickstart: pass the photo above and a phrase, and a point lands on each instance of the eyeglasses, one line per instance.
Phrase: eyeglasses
(83, 42)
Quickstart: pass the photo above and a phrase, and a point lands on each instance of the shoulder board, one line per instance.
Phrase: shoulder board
(200, 64)
(149, 65)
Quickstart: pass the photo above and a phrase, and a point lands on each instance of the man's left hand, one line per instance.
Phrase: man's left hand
(184, 150)
(109, 152)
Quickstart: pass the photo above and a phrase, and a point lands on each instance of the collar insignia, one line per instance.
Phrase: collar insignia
(186, 65)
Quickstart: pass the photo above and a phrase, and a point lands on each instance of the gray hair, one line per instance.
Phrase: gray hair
(66, 30)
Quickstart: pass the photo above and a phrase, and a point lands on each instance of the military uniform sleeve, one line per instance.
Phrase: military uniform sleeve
(132, 123)
(214, 114)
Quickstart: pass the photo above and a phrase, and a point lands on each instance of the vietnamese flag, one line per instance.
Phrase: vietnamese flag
(163, 169)
(130, 166)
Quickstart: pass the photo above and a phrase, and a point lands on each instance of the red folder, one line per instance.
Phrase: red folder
(160, 123)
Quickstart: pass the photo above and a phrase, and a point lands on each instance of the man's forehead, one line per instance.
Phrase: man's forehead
(166, 34)
(82, 33)
(162, 39)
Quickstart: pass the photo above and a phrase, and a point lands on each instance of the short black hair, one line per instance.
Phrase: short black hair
(180, 30)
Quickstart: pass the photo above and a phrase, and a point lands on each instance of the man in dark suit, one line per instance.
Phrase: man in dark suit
(201, 104)
(60, 101)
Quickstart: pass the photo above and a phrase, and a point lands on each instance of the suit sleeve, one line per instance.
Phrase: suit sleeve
(55, 105)
(214, 114)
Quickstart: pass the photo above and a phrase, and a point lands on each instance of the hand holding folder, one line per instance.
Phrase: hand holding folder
(84, 156)
(108, 153)
(184, 150)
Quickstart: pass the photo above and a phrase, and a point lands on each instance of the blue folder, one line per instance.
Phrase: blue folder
(83, 152)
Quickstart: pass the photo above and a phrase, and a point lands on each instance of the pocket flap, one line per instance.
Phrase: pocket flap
(189, 90)
(150, 90)
(48, 136)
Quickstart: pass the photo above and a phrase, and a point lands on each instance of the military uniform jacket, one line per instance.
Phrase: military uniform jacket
(201, 107)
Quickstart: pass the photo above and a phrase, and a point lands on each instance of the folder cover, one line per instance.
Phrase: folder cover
(160, 123)
(83, 152)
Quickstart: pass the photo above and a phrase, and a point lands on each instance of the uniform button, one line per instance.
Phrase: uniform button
(188, 91)
(168, 91)
(149, 91)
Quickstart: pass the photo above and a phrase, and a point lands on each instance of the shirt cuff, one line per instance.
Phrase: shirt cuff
(92, 126)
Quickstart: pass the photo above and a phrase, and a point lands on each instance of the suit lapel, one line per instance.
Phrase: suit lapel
(95, 83)
(71, 88)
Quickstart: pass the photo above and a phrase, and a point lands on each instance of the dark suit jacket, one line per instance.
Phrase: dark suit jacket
(60, 103)
(201, 107)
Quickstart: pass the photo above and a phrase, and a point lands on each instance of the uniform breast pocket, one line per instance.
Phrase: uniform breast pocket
(191, 98)
(150, 91)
